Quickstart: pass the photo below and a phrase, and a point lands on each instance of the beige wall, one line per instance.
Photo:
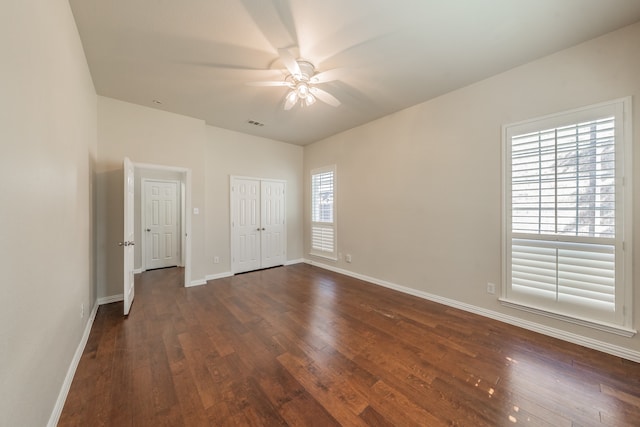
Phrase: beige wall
(419, 192)
(232, 153)
(48, 145)
(150, 136)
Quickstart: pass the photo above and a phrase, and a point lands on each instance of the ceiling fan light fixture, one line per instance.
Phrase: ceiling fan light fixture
(302, 89)
(310, 100)
(290, 100)
(292, 97)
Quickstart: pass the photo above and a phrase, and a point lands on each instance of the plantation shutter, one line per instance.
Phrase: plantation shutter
(564, 242)
(323, 212)
(573, 273)
(563, 180)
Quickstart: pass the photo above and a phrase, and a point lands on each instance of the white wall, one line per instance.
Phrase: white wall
(48, 149)
(233, 153)
(419, 192)
(151, 136)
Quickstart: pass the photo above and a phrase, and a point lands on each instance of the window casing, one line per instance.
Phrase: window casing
(323, 212)
(567, 216)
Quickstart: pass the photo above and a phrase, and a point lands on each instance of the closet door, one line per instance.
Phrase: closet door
(258, 224)
(273, 238)
(245, 225)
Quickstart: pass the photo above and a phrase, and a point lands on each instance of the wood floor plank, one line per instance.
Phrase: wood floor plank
(374, 418)
(302, 346)
(328, 394)
(400, 410)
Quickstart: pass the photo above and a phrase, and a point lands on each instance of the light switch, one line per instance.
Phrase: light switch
(196, 211)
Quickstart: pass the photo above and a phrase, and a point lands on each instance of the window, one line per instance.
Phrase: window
(567, 216)
(323, 212)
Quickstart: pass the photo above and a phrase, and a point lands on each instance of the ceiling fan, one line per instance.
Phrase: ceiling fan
(302, 80)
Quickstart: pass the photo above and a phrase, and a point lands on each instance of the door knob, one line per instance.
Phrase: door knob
(257, 229)
(148, 229)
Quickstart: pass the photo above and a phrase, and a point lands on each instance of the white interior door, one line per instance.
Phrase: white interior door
(258, 224)
(273, 231)
(161, 224)
(128, 239)
(245, 223)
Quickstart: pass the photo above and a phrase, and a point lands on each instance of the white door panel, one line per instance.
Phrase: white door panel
(128, 238)
(246, 224)
(161, 224)
(273, 224)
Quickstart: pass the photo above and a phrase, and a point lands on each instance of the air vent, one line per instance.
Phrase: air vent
(253, 122)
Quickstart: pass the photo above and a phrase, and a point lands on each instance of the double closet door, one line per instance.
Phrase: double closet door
(258, 224)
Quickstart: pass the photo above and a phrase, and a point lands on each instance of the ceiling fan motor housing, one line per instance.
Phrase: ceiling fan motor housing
(307, 69)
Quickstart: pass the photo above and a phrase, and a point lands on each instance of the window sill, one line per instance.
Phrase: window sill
(601, 326)
(329, 257)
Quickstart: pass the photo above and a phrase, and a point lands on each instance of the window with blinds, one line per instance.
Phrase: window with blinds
(323, 231)
(564, 213)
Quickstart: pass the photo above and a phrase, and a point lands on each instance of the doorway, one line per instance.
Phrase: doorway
(133, 174)
(258, 224)
(182, 179)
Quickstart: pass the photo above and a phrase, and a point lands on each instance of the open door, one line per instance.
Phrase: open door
(128, 239)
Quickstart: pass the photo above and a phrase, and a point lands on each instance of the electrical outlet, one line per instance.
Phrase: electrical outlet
(491, 288)
(216, 260)
(347, 258)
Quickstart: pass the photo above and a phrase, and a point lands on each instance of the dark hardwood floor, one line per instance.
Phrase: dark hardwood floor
(302, 346)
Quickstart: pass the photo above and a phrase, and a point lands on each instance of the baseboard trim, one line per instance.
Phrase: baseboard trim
(219, 276)
(68, 379)
(110, 299)
(294, 261)
(591, 343)
(198, 282)
(138, 270)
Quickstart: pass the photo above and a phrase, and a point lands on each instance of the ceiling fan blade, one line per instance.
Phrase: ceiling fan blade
(274, 20)
(268, 84)
(289, 61)
(325, 97)
(328, 76)
(223, 72)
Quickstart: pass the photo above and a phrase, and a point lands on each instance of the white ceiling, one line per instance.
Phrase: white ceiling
(196, 56)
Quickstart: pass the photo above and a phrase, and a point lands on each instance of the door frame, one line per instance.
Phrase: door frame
(185, 197)
(143, 218)
(232, 244)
